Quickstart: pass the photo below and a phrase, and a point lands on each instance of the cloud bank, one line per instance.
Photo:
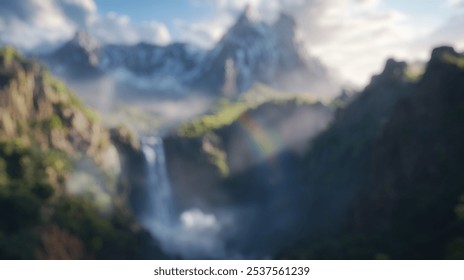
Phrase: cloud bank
(355, 37)
(35, 25)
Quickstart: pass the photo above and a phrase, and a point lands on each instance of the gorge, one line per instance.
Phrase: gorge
(265, 158)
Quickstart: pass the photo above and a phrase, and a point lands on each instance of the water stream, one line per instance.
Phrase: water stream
(189, 234)
(161, 209)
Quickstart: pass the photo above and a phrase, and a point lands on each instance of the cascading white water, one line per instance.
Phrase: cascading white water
(190, 234)
(159, 188)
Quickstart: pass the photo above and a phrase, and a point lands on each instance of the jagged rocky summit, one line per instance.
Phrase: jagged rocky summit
(250, 51)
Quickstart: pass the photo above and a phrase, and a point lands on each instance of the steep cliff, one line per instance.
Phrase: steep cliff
(58, 172)
(384, 180)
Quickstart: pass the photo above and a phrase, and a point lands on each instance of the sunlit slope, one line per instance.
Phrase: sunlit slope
(239, 134)
(45, 134)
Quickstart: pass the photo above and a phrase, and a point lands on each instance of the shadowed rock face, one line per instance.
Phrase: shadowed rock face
(80, 57)
(198, 165)
(385, 179)
(246, 173)
(270, 54)
(417, 165)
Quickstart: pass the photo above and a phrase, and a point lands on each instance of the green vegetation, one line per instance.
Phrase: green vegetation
(39, 217)
(454, 59)
(66, 96)
(49, 124)
(101, 237)
(33, 201)
(209, 129)
(25, 189)
(414, 73)
(390, 166)
(228, 111)
(55, 85)
(27, 167)
(8, 55)
(29, 209)
(459, 209)
(216, 156)
(224, 115)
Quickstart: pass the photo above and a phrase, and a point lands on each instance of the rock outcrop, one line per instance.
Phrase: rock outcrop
(58, 172)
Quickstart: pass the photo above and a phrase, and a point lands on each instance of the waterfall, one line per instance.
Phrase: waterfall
(191, 234)
(161, 209)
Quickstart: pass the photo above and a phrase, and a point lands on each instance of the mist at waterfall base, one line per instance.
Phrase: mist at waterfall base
(255, 228)
(190, 234)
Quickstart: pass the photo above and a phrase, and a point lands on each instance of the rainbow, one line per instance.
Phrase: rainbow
(264, 141)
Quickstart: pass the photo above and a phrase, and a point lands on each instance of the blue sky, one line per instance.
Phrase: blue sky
(166, 11)
(419, 7)
(354, 37)
(424, 11)
(159, 10)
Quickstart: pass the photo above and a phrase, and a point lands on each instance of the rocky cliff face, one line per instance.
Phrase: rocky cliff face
(58, 171)
(416, 162)
(384, 178)
(258, 52)
(39, 109)
(80, 57)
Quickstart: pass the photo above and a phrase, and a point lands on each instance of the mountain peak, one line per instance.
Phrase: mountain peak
(447, 55)
(80, 54)
(285, 21)
(438, 52)
(286, 29)
(246, 15)
(253, 50)
(393, 71)
(257, 51)
(85, 40)
(392, 66)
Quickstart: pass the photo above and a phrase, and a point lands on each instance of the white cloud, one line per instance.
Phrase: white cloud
(81, 12)
(447, 34)
(114, 28)
(34, 24)
(40, 25)
(264, 9)
(207, 32)
(353, 36)
(456, 3)
(202, 33)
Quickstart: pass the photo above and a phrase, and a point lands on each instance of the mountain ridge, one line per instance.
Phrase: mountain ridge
(255, 51)
(385, 177)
